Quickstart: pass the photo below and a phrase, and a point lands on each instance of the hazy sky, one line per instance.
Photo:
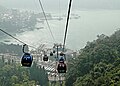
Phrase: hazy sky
(62, 4)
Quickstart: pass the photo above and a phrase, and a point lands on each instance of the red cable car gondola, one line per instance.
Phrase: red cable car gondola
(61, 68)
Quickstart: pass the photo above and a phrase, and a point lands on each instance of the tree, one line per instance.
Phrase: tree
(97, 63)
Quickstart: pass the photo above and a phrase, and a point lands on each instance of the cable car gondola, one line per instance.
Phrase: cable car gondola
(53, 51)
(61, 68)
(62, 57)
(26, 58)
(62, 54)
(61, 60)
(51, 54)
(54, 48)
(45, 58)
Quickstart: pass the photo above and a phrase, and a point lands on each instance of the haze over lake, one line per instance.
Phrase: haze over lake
(80, 31)
(96, 17)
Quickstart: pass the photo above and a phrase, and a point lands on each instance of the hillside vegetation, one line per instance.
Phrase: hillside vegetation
(98, 64)
(12, 74)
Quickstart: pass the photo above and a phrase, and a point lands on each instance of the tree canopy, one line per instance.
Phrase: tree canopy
(98, 64)
(12, 74)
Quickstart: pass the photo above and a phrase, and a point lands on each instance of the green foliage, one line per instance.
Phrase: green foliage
(98, 64)
(11, 48)
(39, 74)
(14, 75)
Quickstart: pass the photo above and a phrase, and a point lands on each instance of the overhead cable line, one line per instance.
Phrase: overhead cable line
(37, 8)
(66, 28)
(16, 38)
(46, 19)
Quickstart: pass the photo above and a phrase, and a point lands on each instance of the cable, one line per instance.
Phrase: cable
(36, 6)
(16, 38)
(46, 19)
(68, 16)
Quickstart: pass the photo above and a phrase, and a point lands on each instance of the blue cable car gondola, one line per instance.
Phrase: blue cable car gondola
(61, 60)
(26, 58)
(62, 57)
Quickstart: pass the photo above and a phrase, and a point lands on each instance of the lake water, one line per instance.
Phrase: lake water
(86, 28)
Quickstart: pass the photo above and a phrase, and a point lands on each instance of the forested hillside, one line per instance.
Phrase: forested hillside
(11, 48)
(12, 74)
(98, 64)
